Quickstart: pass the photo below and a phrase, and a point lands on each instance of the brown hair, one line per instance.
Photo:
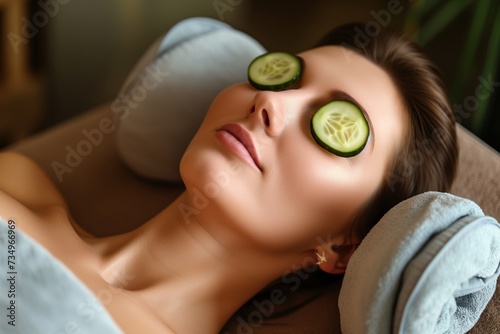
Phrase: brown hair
(427, 159)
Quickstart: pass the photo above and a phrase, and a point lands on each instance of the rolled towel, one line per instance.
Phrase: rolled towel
(429, 266)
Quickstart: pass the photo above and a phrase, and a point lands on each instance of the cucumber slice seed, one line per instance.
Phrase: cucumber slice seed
(341, 128)
(274, 71)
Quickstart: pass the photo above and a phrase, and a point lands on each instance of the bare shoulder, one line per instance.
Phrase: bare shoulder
(22, 179)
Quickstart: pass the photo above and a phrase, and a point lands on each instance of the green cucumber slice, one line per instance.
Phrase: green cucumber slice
(274, 71)
(340, 127)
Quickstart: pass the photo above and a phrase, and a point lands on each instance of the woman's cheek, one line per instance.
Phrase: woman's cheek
(325, 186)
(233, 101)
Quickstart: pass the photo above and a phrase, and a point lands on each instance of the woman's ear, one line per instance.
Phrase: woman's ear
(334, 259)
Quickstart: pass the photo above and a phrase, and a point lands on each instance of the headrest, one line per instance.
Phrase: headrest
(430, 265)
(168, 93)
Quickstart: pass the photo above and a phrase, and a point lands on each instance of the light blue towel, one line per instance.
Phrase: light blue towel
(429, 266)
(38, 294)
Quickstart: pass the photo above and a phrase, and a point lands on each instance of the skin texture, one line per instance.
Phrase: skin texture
(238, 226)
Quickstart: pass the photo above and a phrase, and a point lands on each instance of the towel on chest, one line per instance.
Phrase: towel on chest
(40, 295)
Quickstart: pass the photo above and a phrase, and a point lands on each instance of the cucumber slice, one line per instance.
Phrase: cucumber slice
(274, 71)
(340, 127)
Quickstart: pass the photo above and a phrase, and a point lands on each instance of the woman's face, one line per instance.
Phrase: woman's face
(287, 192)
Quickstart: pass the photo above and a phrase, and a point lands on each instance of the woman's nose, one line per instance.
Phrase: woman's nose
(268, 110)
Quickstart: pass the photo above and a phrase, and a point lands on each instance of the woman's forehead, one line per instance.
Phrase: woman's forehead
(342, 68)
(336, 55)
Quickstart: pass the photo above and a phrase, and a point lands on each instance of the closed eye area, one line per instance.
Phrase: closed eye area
(341, 126)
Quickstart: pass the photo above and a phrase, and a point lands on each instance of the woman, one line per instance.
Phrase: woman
(250, 214)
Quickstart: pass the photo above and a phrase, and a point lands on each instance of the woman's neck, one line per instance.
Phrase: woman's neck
(184, 272)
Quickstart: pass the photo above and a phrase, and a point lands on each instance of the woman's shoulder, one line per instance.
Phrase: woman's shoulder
(23, 180)
(29, 197)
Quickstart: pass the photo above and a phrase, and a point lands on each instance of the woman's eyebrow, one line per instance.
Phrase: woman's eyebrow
(343, 96)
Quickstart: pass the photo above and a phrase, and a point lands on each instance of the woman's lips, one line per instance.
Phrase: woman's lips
(239, 141)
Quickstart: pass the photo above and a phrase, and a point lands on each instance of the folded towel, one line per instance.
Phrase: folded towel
(429, 266)
(38, 294)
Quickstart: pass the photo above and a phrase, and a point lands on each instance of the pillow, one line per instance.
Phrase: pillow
(164, 99)
(429, 266)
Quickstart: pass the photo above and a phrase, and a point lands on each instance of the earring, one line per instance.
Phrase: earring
(321, 258)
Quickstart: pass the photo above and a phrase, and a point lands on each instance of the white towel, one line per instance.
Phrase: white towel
(429, 266)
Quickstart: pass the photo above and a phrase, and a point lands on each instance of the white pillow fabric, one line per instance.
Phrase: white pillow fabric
(165, 98)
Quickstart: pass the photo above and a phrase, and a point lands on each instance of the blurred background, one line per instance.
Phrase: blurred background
(60, 58)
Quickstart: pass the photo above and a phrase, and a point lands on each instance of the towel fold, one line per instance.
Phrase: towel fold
(429, 266)
(38, 294)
